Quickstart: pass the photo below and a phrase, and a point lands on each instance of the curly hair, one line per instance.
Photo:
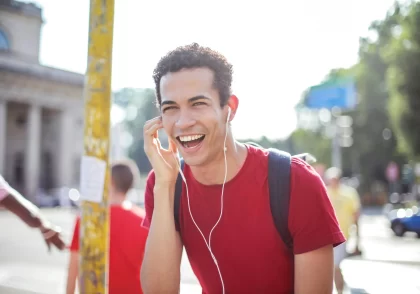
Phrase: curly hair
(196, 56)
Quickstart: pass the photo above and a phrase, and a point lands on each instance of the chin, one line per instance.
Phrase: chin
(194, 159)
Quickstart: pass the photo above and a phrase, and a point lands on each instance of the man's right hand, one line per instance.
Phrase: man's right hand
(164, 162)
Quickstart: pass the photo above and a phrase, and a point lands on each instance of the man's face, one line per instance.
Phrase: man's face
(192, 116)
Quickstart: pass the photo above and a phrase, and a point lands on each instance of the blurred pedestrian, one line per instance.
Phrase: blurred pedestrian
(127, 236)
(346, 203)
(13, 201)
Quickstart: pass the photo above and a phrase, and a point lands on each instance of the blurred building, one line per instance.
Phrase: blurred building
(41, 117)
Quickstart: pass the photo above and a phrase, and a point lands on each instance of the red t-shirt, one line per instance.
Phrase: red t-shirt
(126, 248)
(250, 252)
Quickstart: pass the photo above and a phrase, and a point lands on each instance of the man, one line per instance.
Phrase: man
(225, 221)
(13, 201)
(346, 203)
(127, 237)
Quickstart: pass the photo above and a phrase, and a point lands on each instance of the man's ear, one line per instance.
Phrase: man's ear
(233, 103)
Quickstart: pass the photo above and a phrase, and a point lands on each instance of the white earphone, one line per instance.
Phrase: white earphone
(208, 244)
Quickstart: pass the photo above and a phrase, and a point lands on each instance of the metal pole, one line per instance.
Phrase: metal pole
(93, 264)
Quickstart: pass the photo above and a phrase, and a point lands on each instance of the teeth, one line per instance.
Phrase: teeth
(190, 138)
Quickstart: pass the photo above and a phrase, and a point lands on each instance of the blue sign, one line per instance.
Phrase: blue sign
(336, 93)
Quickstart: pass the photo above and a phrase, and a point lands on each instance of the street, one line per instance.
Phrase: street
(389, 264)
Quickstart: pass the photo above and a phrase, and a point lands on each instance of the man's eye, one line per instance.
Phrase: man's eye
(199, 103)
(168, 108)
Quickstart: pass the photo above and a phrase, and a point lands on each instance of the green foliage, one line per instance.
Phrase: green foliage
(372, 151)
(403, 55)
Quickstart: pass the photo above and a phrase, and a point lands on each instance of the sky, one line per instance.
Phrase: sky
(277, 48)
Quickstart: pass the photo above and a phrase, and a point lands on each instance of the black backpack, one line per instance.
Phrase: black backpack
(279, 163)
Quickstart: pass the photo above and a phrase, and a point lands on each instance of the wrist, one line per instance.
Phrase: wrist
(44, 225)
(163, 187)
(163, 194)
(44, 228)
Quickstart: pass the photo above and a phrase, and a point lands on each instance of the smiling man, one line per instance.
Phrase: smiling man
(225, 222)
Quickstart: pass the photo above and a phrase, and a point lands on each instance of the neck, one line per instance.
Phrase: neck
(213, 173)
(117, 199)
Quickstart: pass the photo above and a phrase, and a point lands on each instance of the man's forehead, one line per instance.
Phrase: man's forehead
(201, 75)
(187, 83)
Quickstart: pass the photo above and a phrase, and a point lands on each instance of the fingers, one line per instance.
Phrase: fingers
(150, 126)
(172, 146)
(59, 243)
(55, 241)
(48, 245)
(150, 131)
(156, 141)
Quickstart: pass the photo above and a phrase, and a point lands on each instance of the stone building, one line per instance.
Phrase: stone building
(41, 108)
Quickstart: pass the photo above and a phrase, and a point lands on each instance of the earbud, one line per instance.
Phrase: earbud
(228, 116)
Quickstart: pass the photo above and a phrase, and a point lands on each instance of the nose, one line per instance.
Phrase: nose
(185, 120)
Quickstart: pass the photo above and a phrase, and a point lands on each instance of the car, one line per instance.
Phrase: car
(405, 220)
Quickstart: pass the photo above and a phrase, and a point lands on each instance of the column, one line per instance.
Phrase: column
(66, 149)
(3, 135)
(33, 151)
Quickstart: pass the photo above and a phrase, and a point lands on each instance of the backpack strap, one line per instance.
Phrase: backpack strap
(177, 197)
(279, 165)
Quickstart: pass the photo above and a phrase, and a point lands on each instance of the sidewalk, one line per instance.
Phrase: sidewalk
(372, 277)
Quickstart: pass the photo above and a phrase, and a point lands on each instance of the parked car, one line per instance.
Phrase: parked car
(405, 220)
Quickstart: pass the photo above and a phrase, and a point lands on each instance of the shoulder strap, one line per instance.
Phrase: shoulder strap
(279, 164)
(177, 197)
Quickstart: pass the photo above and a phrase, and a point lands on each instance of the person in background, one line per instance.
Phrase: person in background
(127, 236)
(346, 203)
(320, 169)
(13, 201)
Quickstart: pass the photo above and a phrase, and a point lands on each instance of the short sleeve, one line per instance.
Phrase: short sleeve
(312, 220)
(149, 199)
(74, 246)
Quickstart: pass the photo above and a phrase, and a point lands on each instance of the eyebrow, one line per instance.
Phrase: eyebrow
(192, 99)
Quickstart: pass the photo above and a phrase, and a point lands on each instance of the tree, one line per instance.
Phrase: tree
(403, 56)
(373, 147)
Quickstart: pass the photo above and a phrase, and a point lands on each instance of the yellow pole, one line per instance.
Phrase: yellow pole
(93, 265)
